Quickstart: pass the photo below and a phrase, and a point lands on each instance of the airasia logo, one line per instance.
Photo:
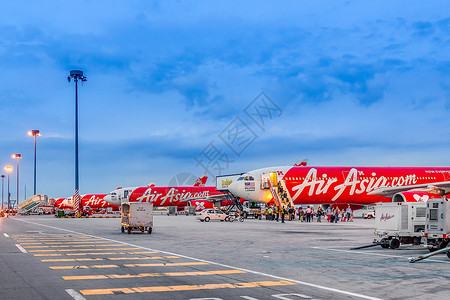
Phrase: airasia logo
(385, 217)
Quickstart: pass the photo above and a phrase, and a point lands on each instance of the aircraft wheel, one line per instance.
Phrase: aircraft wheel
(241, 219)
(394, 244)
(129, 230)
(149, 230)
(227, 219)
(207, 219)
(122, 229)
(202, 220)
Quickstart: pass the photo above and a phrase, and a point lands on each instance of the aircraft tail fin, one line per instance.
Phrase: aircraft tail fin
(201, 181)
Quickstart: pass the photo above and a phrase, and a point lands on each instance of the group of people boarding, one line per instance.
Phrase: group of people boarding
(333, 215)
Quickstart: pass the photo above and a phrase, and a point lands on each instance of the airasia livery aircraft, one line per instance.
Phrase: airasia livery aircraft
(198, 195)
(342, 185)
(94, 201)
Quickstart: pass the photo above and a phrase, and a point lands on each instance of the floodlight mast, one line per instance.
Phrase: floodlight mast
(76, 75)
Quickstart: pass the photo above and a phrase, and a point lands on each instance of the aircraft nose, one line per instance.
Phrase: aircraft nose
(109, 199)
(233, 188)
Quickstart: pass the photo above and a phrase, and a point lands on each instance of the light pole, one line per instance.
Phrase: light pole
(3, 179)
(18, 156)
(34, 133)
(8, 169)
(76, 75)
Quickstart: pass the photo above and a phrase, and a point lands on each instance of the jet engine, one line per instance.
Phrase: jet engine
(414, 196)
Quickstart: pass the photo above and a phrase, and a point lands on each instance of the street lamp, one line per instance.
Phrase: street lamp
(76, 75)
(8, 169)
(18, 156)
(34, 133)
(3, 179)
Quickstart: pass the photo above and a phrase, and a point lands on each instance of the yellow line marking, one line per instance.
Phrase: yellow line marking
(87, 242)
(31, 243)
(83, 267)
(104, 253)
(126, 265)
(153, 257)
(116, 276)
(72, 259)
(74, 246)
(185, 287)
(66, 250)
(95, 253)
(110, 258)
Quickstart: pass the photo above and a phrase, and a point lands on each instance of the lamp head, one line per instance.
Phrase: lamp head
(16, 156)
(8, 169)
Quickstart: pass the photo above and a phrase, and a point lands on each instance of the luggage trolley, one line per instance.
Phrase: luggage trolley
(137, 216)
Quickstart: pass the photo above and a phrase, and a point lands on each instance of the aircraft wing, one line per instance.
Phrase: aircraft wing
(389, 192)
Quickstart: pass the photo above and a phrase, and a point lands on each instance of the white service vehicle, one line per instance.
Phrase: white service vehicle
(437, 231)
(400, 223)
(137, 216)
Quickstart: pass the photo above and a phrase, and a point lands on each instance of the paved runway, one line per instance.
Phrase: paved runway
(43, 257)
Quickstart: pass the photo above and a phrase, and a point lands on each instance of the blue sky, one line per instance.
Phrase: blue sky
(354, 83)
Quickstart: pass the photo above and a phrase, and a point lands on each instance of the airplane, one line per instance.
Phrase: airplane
(94, 201)
(340, 186)
(200, 196)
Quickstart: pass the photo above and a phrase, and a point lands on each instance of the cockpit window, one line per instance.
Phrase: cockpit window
(113, 194)
(249, 178)
(240, 178)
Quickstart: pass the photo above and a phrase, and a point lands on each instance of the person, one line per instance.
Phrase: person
(301, 215)
(308, 214)
(348, 212)
(313, 213)
(291, 213)
(319, 213)
(283, 212)
(276, 211)
(331, 216)
(329, 212)
(266, 213)
(336, 215)
(298, 213)
(271, 213)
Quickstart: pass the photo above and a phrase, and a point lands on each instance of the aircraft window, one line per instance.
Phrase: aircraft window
(240, 178)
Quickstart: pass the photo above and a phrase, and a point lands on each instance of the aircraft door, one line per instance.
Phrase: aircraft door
(273, 178)
(264, 178)
(125, 194)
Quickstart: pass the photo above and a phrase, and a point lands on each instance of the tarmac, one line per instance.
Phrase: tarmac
(43, 257)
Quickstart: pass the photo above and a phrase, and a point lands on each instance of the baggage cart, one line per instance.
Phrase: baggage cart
(137, 216)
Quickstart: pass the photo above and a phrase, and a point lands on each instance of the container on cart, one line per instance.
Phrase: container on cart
(137, 216)
(437, 231)
(400, 223)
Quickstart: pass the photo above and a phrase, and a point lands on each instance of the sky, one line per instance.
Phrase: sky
(177, 89)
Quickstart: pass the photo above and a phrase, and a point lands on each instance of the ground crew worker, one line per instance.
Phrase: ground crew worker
(283, 211)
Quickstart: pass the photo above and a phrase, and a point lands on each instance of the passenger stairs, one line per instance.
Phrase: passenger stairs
(32, 203)
(280, 200)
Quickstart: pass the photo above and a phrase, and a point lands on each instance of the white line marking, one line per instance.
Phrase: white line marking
(6, 235)
(75, 295)
(218, 264)
(374, 254)
(248, 298)
(21, 248)
(282, 296)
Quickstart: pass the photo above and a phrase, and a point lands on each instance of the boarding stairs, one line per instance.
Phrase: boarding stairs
(31, 203)
(288, 200)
